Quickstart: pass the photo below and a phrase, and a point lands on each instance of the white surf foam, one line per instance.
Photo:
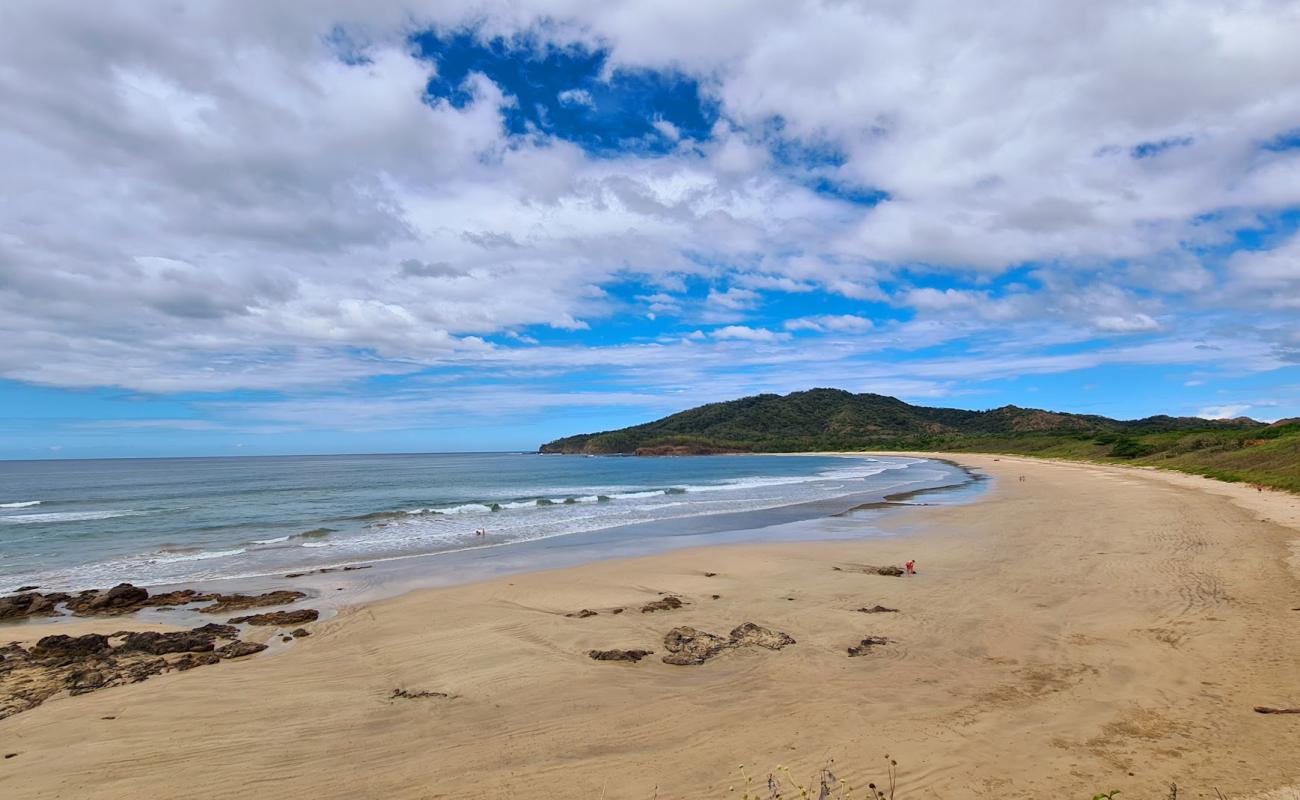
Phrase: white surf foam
(24, 504)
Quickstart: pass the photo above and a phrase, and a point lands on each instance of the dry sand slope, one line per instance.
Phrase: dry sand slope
(1085, 629)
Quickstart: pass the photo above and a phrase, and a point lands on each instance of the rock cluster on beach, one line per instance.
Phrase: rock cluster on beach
(126, 598)
(82, 664)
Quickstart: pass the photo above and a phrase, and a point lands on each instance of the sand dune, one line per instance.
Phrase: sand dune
(1087, 628)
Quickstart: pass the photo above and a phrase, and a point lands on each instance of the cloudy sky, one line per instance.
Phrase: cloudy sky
(251, 227)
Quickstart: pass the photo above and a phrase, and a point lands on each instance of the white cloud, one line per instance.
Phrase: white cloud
(1130, 324)
(748, 334)
(576, 97)
(206, 197)
(839, 323)
(1223, 412)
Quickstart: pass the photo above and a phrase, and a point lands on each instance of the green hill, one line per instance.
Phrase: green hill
(833, 419)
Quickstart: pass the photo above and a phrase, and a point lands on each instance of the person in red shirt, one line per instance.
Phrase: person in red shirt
(911, 567)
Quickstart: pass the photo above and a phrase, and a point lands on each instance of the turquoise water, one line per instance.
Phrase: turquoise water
(77, 524)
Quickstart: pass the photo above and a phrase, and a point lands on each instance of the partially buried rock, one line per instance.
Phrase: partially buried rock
(878, 610)
(583, 614)
(687, 646)
(239, 602)
(891, 571)
(239, 649)
(619, 655)
(298, 633)
(864, 647)
(26, 588)
(406, 695)
(192, 660)
(217, 630)
(756, 635)
(279, 617)
(668, 603)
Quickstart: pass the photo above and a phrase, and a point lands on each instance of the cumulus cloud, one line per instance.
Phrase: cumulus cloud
(217, 197)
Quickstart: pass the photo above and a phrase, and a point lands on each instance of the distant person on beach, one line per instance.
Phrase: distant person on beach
(911, 567)
(480, 532)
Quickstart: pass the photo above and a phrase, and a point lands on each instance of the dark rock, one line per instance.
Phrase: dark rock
(63, 646)
(217, 631)
(687, 646)
(296, 574)
(279, 617)
(286, 638)
(878, 610)
(583, 614)
(121, 599)
(192, 660)
(749, 634)
(891, 571)
(239, 649)
(298, 633)
(31, 604)
(617, 611)
(239, 602)
(402, 693)
(177, 598)
(710, 574)
(668, 603)
(353, 569)
(619, 655)
(26, 588)
(864, 647)
(158, 644)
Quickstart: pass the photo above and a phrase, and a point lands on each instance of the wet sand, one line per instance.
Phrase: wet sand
(1085, 629)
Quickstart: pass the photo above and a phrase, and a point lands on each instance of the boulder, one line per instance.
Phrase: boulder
(63, 646)
(279, 617)
(31, 604)
(298, 633)
(121, 599)
(619, 655)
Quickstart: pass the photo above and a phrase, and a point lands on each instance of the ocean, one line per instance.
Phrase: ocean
(91, 523)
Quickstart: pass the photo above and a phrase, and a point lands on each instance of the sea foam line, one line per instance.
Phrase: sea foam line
(24, 504)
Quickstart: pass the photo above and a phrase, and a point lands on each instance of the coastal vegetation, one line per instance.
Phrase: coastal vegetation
(1238, 449)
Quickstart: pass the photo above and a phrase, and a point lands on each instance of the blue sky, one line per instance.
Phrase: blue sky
(478, 227)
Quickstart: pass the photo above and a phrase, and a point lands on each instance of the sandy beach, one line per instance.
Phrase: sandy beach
(1084, 629)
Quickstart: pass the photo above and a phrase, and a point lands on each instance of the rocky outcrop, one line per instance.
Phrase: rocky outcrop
(279, 617)
(178, 598)
(619, 655)
(240, 602)
(79, 664)
(689, 646)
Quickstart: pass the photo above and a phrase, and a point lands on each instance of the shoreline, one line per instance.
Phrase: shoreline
(1129, 621)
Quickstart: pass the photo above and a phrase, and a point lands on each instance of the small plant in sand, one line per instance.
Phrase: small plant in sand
(824, 785)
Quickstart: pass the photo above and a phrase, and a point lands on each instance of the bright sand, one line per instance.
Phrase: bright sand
(1085, 629)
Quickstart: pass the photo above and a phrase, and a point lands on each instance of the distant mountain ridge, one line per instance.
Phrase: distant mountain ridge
(834, 419)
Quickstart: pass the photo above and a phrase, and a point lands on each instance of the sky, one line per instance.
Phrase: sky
(248, 228)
